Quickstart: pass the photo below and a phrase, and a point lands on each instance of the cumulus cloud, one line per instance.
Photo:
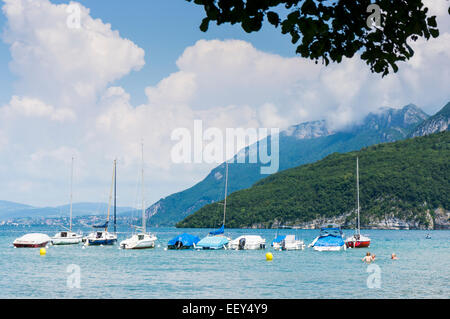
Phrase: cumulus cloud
(49, 56)
(29, 107)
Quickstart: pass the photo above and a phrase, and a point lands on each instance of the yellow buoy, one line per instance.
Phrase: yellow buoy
(269, 256)
(42, 251)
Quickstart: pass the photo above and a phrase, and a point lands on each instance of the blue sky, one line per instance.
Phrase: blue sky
(95, 94)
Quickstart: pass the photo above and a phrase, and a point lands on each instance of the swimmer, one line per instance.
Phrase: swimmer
(373, 257)
(394, 256)
(367, 258)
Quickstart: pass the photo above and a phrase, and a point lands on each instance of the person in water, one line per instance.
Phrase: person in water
(373, 257)
(367, 258)
(394, 256)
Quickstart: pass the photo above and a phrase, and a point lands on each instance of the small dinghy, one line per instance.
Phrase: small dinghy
(33, 240)
(183, 241)
(248, 242)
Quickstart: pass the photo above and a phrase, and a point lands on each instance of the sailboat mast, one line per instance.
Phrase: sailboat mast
(71, 185)
(110, 195)
(357, 188)
(226, 186)
(143, 205)
(115, 189)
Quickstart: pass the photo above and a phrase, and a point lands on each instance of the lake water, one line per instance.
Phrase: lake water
(422, 270)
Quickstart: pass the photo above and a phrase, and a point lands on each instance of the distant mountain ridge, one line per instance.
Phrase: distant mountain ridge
(16, 210)
(437, 123)
(299, 144)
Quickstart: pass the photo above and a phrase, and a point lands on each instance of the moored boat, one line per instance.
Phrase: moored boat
(143, 239)
(103, 237)
(183, 241)
(33, 240)
(288, 242)
(247, 242)
(212, 243)
(357, 240)
(68, 237)
(216, 239)
(139, 241)
(329, 239)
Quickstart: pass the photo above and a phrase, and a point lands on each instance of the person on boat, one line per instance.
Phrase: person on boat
(367, 258)
(394, 256)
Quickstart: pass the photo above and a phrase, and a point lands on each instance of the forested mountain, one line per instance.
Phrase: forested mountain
(300, 144)
(406, 181)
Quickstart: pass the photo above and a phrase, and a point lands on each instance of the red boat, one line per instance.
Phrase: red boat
(34, 240)
(357, 240)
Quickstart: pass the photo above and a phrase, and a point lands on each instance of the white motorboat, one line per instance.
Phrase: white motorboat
(247, 242)
(68, 237)
(289, 242)
(33, 240)
(141, 240)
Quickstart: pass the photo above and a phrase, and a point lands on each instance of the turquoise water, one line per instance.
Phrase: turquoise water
(422, 270)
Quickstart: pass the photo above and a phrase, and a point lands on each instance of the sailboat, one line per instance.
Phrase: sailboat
(216, 239)
(68, 237)
(103, 237)
(143, 239)
(357, 240)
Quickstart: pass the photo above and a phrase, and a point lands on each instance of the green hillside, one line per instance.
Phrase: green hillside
(403, 179)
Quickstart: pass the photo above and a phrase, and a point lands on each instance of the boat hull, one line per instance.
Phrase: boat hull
(248, 247)
(296, 246)
(139, 245)
(98, 242)
(329, 248)
(177, 247)
(358, 244)
(66, 241)
(29, 245)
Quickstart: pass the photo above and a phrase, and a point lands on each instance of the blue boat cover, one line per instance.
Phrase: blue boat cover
(101, 226)
(278, 239)
(329, 241)
(218, 231)
(213, 242)
(185, 239)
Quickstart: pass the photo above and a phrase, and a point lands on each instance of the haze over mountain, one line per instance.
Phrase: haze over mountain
(17, 210)
(300, 144)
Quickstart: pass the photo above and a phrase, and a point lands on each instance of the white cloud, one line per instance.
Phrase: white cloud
(30, 107)
(65, 105)
(49, 56)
